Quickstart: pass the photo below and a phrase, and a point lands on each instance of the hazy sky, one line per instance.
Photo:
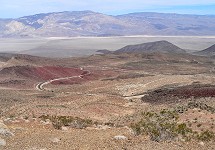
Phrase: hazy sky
(18, 8)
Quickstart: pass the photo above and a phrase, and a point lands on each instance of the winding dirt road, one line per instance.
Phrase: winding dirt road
(40, 86)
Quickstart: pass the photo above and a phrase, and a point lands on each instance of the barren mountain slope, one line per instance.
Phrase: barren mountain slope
(88, 23)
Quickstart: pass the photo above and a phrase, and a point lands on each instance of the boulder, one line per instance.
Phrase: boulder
(4, 130)
(120, 137)
(2, 142)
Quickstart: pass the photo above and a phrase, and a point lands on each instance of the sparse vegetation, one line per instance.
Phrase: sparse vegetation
(127, 76)
(59, 121)
(201, 106)
(177, 93)
(164, 126)
(26, 117)
(50, 106)
(159, 126)
(33, 115)
(206, 136)
(199, 125)
(12, 116)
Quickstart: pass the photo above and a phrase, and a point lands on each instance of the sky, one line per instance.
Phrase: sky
(19, 8)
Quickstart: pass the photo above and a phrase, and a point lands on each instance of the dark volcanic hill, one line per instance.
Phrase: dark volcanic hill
(158, 46)
(210, 51)
(88, 23)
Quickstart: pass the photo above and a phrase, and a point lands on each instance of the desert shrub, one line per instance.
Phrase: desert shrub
(65, 120)
(109, 124)
(59, 121)
(33, 115)
(12, 116)
(57, 124)
(201, 106)
(181, 109)
(44, 117)
(183, 129)
(206, 136)
(159, 126)
(184, 132)
(81, 123)
(199, 125)
(26, 117)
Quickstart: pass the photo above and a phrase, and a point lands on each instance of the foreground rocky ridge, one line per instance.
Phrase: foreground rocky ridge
(105, 102)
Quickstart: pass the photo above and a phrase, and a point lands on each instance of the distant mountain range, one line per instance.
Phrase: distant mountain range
(88, 23)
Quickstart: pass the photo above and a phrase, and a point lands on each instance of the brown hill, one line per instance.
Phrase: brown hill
(7, 56)
(210, 51)
(9, 59)
(158, 46)
(44, 73)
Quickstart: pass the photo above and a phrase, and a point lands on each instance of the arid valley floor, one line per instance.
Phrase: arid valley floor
(127, 101)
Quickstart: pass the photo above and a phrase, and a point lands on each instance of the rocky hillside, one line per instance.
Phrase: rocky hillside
(171, 24)
(158, 46)
(88, 23)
